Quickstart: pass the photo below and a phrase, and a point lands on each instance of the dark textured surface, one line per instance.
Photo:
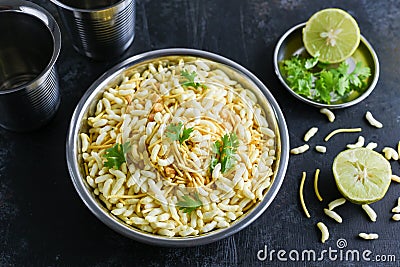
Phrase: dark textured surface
(43, 222)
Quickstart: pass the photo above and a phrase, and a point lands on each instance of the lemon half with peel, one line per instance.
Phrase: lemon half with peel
(362, 175)
(333, 33)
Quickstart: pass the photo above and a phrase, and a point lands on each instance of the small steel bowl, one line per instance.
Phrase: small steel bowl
(87, 104)
(291, 43)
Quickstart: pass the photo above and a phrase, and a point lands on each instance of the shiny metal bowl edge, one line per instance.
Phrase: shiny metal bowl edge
(366, 48)
(78, 123)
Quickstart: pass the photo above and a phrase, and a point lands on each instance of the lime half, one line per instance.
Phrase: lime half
(362, 175)
(333, 33)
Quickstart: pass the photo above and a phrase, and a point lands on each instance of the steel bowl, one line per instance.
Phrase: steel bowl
(291, 43)
(87, 104)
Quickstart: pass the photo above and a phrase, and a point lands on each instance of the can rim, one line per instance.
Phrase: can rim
(34, 10)
(118, 5)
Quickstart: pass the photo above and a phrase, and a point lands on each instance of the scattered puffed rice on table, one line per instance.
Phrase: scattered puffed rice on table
(395, 178)
(372, 120)
(360, 143)
(310, 133)
(371, 145)
(370, 212)
(329, 114)
(333, 215)
(300, 149)
(320, 149)
(396, 217)
(396, 209)
(398, 148)
(336, 203)
(324, 231)
(371, 236)
(390, 153)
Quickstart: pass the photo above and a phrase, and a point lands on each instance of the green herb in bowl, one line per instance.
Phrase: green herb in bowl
(324, 83)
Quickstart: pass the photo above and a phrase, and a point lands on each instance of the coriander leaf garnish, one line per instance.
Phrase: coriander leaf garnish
(185, 134)
(224, 150)
(115, 155)
(358, 74)
(176, 132)
(189, 203)
(322, 82)
(311, 62)
(190, 79)
(324, 85)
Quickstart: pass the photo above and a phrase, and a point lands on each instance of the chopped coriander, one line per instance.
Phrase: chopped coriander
(311, 62)
(224, 150)
(189, 203)
(176, 132)
(115, 155)
(322, 82)
(190, 79)
(185, 134)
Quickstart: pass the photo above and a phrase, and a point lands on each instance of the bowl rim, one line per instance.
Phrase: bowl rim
(138, 235)
(314, 103)
(117, 6)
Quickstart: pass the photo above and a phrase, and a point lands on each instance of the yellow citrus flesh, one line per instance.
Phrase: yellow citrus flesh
(362, 175)
(333, 33)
